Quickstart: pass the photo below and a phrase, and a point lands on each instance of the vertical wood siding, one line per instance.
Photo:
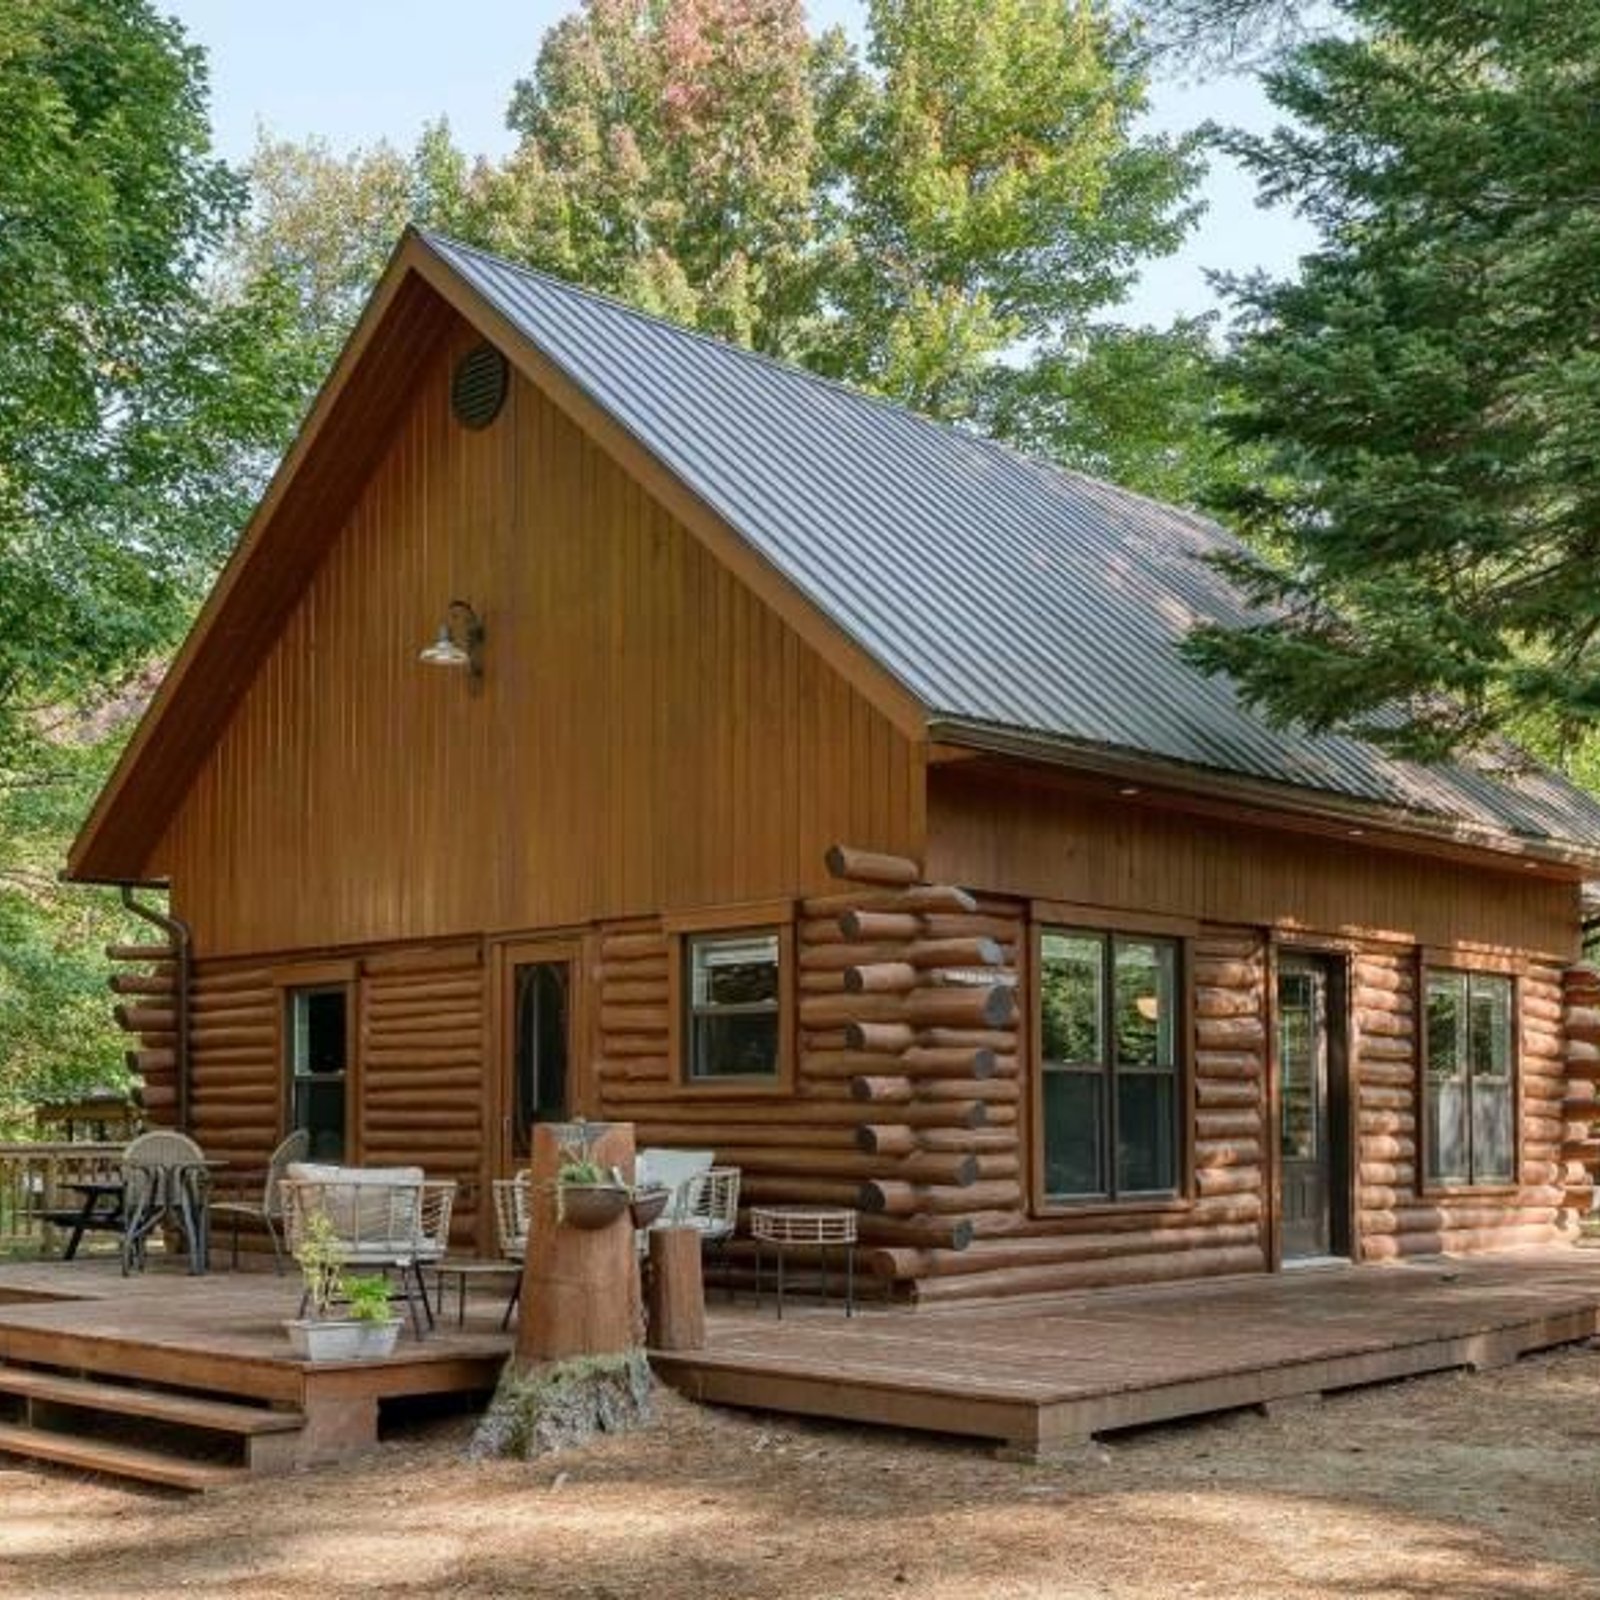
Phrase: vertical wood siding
(646, 733)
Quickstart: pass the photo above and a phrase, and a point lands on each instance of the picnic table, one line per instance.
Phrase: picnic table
(179, 1198)
(100, 1211)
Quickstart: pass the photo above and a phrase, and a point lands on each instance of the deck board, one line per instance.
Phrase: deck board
(1059, 1368)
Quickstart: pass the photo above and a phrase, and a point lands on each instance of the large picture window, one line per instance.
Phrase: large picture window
(1469, 1079)
(734, 994)
(1108, 1032)
(318, 1026)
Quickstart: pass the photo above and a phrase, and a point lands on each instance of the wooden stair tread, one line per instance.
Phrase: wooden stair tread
(117, 1460)
(217, 1416)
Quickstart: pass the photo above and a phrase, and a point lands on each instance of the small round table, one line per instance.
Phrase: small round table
(818, 1228)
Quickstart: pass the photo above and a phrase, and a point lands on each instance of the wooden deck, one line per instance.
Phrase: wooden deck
(204, 1364)
(1049, 1373)
(146, 1375)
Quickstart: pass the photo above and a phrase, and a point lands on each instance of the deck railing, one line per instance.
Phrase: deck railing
(33, 1181)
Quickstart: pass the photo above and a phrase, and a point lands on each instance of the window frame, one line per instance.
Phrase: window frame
(1446, 963)
(1110, 929)
(680, 999)
(322, 977)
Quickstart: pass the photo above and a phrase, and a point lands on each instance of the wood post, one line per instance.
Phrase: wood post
(580, 1286)
(677, 1302)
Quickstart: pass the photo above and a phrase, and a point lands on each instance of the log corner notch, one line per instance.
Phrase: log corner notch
(926, 1022)
(158, 1014)
(1580, 996)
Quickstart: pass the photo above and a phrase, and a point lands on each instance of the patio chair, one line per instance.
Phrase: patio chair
(164, 1177)
(513, 1216)
(711, 1206)
(674, 1170)
(391, 1218)
(513, 1212)
(268, 1210)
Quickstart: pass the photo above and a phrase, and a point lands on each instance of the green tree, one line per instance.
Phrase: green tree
(137, 412)
(948, 221)
(992, 193)
(1427, 389)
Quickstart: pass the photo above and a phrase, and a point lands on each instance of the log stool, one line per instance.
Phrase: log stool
(818, 1228)
(676, 1301)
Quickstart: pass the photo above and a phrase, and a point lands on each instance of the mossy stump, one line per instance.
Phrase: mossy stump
(562, 1404)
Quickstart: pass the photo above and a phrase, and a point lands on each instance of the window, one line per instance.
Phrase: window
(1469, 1126)
(1108, 1032)
(733, 1025)
(319, 1051)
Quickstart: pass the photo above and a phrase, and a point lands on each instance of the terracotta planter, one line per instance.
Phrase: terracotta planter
(592, 1205)
(648, 1204)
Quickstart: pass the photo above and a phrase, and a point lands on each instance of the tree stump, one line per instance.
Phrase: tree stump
(677, 1301)
(578, 1368)
(580, 1286)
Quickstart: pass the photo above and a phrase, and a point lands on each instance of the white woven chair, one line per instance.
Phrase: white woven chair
(674, 1170)
(513, 1211)
(390, 1218)
(711, 1206)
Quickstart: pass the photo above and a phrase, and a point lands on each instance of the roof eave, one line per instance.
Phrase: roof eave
(1292, 801)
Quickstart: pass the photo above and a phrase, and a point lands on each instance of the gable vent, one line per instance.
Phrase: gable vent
(478, 386)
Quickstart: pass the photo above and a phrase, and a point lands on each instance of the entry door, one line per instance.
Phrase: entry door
(537, 1045)
(1312, 1150)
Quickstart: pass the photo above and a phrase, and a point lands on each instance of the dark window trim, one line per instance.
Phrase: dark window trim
(1180, 1197)
(780, 1081)
(326, 979)
(1429, 1187)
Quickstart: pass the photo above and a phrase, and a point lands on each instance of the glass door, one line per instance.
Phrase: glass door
(1313, 1109)
(536, 1051)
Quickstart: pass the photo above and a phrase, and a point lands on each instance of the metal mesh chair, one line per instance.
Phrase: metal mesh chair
(164, 1175)
(268, 1210)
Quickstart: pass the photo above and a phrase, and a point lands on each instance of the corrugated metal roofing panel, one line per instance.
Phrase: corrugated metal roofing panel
(1000, 590)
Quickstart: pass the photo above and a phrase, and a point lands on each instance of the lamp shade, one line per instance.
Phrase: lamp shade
(444, 652)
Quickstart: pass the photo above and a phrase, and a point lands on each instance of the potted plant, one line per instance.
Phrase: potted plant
(649, 1201)
(367, 1331)
(587, 1194)
(370, 1308)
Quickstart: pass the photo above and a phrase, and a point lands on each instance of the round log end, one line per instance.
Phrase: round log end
(961, 1234)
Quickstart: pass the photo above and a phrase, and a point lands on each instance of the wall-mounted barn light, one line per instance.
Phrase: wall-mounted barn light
(460, 641)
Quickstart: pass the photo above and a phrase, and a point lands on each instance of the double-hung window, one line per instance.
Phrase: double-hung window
(733, 1027)
(318, 1029)
(1469, 1079)
(1109, 1056)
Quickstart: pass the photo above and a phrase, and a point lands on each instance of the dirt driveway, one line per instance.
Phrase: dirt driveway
(1472, 1488)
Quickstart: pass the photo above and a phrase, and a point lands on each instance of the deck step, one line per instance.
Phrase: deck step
(187, 1411)
(117, 1460)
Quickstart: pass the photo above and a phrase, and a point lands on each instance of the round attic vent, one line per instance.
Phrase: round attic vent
(478, 387)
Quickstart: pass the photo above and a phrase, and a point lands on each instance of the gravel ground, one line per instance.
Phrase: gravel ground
(1472, 1488)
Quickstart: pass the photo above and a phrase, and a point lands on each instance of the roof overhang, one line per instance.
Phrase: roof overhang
(1210, 790)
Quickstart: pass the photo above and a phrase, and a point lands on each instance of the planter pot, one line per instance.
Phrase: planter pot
(648, 1204)
(343, 1339)
(592, 1205)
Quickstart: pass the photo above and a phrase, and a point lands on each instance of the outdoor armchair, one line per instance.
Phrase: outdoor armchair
(164, 1177)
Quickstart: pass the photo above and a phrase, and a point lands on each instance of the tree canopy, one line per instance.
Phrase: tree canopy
(1425, 389)
(137, 409)
(950, 216)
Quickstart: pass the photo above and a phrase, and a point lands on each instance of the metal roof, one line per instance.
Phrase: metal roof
(1000, 590)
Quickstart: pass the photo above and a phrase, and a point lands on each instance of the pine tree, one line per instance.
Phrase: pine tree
(1427, 389)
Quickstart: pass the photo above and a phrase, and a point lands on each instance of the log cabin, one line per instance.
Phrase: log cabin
(597, 719)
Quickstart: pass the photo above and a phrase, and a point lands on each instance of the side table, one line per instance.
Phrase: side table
(818, 1228)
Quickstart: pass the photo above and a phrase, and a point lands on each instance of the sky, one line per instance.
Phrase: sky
(357, 71)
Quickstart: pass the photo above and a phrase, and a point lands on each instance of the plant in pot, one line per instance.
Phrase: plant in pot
(369, 1329)
(587, 1194)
